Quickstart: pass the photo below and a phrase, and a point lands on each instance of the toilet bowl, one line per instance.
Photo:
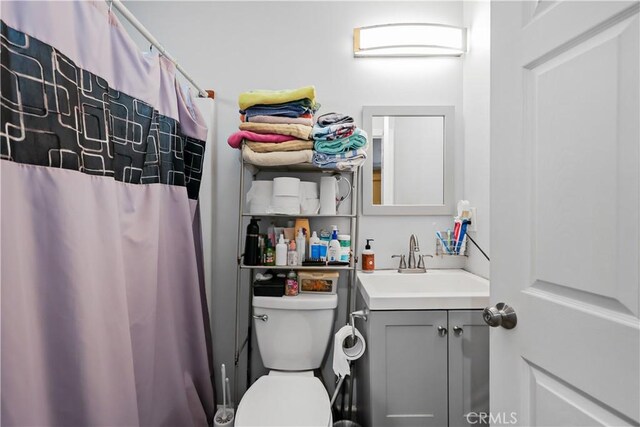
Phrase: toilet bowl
(293, 335)
(285, 399)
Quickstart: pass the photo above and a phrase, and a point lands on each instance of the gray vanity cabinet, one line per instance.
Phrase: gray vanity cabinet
(407, 368)
(468, 366)
(418, 371)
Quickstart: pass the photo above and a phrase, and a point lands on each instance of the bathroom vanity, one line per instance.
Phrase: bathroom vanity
(427, 357)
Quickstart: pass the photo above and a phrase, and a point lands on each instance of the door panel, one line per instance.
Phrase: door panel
(411, 387)
(468, 367)
(557, 403)
(565, 199)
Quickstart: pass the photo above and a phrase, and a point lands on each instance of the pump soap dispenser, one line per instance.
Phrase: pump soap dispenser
(368, 258)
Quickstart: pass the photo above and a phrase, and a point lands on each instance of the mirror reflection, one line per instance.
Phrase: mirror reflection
(408, 160)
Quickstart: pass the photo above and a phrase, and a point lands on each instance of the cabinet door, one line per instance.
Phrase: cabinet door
(408, 368)
(468, 366)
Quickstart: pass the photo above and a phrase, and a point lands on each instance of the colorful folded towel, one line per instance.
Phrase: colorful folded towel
(290, 109)
(357, 140)
(269, 97)
(329, 119)
(329, 133)
(299, 131)
(293, 145)
(276, 159)
(342, 161)
(307, 121)
(235, 140)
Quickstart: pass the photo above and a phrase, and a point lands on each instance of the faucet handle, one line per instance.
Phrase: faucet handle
(421, 260)
(403, 261)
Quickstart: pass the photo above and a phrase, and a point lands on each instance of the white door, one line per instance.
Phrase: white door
(564, 202)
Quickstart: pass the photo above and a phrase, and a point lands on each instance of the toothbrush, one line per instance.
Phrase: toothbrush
(463, 232)
(456, 231)
(443, 243)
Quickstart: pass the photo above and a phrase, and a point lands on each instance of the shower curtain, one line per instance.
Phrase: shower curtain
(102, 299)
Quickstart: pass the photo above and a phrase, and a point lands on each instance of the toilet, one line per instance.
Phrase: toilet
(293, 339)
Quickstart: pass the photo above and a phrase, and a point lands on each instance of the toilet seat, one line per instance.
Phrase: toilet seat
(285, 400)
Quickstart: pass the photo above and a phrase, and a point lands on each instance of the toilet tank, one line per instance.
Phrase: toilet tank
(296, 331)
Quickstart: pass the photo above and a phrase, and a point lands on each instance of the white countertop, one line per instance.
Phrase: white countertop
(436, 289)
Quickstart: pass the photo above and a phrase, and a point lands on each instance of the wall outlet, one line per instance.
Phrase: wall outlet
(474, 220)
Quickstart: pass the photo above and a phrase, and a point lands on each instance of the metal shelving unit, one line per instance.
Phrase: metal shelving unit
(243, 338)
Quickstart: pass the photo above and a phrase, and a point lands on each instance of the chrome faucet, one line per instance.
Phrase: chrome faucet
(414, 247)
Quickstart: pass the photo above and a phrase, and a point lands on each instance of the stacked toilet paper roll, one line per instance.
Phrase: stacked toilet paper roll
(286, 196)
(343, 354)
(328, 192)
(259, 196)
(309, 198)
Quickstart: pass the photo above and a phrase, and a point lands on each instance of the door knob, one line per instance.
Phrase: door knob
(442, 331)
(500, 315)
(457, 331)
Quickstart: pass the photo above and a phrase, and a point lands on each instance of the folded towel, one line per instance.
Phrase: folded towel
(289, 109)
(307, 121)
(342, 145)
(268, 97)
(329, 133)
(342, 161)
(299, 131)
(235, 140)
(333, 119)
(293, 145)
(276, 159)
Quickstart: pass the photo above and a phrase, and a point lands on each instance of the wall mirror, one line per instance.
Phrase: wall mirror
(409, 170)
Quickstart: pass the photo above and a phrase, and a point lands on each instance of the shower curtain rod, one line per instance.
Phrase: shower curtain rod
(147, 35)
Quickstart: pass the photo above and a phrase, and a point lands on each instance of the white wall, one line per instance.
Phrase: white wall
(233, 47)
(476, 128)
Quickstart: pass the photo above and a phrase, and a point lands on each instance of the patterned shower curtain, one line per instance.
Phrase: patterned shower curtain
(103, 321)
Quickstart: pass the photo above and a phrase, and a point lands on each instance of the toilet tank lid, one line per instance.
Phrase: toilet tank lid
(299, 302)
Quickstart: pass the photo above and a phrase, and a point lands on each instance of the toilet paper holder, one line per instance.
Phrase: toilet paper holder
(360, 314)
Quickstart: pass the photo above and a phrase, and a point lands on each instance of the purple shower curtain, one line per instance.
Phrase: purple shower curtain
(102, 299)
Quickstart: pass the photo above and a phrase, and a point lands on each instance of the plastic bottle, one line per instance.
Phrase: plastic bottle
(301, 246)
(345, 247)
(281, 251)
(291, 284)
(251, 244)
(269, 255)
(368, 258)
(333, 252)
(314, 247)
(292, 255)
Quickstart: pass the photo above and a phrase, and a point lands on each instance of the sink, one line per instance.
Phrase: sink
(436, 289)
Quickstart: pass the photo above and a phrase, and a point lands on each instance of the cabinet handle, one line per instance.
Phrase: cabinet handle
(457, 331)
(442, 331)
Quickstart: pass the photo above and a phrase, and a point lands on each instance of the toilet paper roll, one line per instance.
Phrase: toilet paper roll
(289, 205)
(259, 196)
(309, 190)
(343, 355)
(285, 186)
(310, 206)
(328, 195)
